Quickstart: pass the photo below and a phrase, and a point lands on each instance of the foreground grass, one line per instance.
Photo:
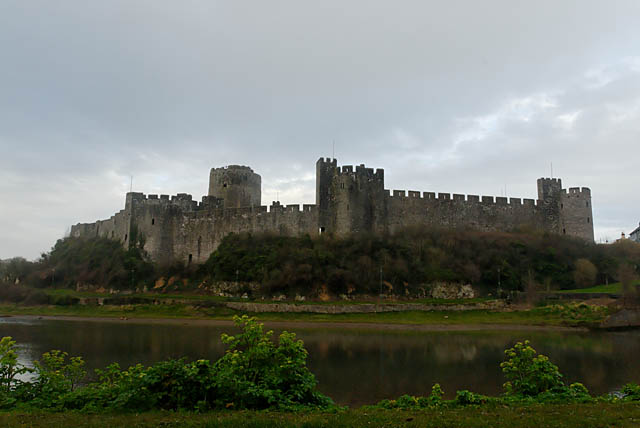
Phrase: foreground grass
(535, 416)
(536, 316)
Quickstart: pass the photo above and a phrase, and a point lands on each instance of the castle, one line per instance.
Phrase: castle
(348, 200)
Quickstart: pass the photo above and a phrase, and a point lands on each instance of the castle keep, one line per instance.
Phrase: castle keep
(348, 200)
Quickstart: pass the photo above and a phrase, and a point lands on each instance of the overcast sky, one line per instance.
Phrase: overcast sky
(474, 97)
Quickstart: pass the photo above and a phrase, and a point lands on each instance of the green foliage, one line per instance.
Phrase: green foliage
(57, 375)
(529, 373)
(410, 259)
(257, 373)
(15, 270)
(631, 392)
(435, 398)
(97, 261)
(577, 313)
(468, 398)
(254, 373)
(585, 273)
(407, 262)
(169, 385)
(409, 402)
(9, 371)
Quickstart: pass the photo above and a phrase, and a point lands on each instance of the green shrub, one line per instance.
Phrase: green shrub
(528, 373)
(57, 375)
(9, 372)
(254, 373)
(257, 373)
(466, 398)
(631, 392)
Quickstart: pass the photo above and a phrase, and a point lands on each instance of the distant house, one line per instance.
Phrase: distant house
(635, 235)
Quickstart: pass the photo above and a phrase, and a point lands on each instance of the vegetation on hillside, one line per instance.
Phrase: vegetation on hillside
(406, 263)
(411, 260)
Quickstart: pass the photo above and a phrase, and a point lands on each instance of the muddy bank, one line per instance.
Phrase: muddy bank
(303, 324)
(364, 308)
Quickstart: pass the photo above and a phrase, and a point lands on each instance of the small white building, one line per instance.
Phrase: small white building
(635, 235)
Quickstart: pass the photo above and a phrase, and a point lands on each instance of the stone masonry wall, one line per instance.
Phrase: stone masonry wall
(173, 231)
(348, 200)
(460, 211)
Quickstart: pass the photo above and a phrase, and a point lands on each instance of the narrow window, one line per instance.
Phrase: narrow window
(587, 204)
(321, 229)
(190, 258)
(153, 221)
(125, 237)
(561, 206)
(588, 220)
(112, 233)
(564, 231)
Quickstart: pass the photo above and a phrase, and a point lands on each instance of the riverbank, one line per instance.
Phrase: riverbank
(534, 416)
(283, 325)
(582, 316)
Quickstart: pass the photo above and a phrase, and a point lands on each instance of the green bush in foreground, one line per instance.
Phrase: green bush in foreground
(531, 378)
(255, 373)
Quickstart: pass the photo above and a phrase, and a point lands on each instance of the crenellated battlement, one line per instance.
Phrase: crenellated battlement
(328, 161)
(551, 180)
(460, 198)
(577, 192)
(360, 171)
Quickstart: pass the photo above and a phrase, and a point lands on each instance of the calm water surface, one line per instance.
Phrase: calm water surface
(354, 367)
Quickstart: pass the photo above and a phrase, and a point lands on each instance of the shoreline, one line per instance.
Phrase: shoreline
(305, 324)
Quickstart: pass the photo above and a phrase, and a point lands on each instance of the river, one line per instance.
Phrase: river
(353, 366)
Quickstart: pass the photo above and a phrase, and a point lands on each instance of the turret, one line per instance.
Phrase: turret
(237, 185)
(576, 213)
(549, 189)
(326, 169)
(349, 200)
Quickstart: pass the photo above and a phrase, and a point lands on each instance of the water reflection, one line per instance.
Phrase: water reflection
(353, 367)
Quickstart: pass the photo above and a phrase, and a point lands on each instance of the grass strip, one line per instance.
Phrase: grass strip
(534, 416)
(536, 316)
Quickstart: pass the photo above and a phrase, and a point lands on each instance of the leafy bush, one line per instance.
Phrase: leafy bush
(257, 373)
(169, 385)
(408, 402)
(529, 373)
(631, 392)
(9, 371)
(466, 398)
(254, 373)
(57, 375)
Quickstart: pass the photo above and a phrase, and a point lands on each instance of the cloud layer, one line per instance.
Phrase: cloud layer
(456, 96)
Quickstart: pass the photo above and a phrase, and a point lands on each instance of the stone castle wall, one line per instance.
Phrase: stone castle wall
(348, 200)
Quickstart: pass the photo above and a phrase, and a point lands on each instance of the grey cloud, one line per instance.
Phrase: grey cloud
(91, 92)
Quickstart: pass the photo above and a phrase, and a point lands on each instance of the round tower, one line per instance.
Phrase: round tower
(238, 185)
